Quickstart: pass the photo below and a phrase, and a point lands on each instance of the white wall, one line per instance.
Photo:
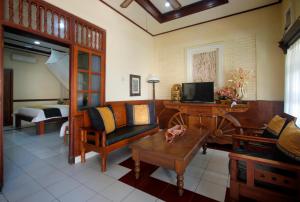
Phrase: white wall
(32, 81)
(261, 29)
(129, 49)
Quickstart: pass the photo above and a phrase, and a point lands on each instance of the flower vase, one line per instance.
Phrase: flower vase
(240, 92)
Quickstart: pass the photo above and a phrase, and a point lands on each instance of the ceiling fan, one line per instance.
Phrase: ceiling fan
(174, 3)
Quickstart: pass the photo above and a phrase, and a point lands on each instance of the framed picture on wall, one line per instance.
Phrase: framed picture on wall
(205, 64)
(288, 18)
(135, 85)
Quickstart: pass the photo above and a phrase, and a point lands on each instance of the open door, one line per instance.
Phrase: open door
(87, 89)
(1, 103)
(8, 97)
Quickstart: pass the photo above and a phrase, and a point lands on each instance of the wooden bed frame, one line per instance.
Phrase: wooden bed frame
(40, 126)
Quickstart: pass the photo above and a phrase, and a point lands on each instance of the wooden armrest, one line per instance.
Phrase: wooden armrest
(85, 130)
(258, 160)
(250, 138)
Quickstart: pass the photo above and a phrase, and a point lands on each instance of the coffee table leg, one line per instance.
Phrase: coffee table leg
(180, 184)
(137, 169)
(204, 147)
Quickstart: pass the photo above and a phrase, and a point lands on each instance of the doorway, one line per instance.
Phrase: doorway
(27, 75)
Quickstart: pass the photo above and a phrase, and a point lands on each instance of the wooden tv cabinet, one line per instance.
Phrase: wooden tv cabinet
(216, 117)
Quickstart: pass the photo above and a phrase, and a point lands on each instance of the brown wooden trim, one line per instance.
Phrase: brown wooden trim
(184, 11)
(291, 36)
(191, 9)
(173, 30)
(151, 9)
(72, 84)
(38, 100)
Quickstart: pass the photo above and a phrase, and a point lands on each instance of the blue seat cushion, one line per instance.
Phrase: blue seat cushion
(127, 132)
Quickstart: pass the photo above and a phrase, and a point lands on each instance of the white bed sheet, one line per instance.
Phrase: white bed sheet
(39, 114)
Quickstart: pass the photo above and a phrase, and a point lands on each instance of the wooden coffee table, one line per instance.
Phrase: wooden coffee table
(176, 156)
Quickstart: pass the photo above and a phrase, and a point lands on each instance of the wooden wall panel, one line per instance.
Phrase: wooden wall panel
(259, 113)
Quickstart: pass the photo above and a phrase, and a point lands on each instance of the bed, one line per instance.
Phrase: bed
(41, 115)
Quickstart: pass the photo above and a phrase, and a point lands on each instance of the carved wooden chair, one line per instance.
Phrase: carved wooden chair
(263, 176)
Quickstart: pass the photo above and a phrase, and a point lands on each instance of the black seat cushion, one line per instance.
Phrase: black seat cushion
(127, 132)
(277, 156)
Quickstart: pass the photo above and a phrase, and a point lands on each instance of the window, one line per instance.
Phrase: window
(292, 81)
(89, 79)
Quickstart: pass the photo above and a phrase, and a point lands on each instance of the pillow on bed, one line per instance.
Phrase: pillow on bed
(142, 114)
(103, 118)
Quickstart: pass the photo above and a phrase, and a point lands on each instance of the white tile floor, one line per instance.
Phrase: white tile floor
(36, 169)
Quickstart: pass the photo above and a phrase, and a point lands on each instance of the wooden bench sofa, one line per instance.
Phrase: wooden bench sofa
(102, 143)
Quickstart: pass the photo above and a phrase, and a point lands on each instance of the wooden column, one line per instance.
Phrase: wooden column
(1, 93)
(72, 93)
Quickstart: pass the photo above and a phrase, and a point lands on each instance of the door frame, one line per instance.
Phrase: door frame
(71, 41)
(1, 105)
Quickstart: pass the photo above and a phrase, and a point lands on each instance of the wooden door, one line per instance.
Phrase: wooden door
(8, 97)
(87, 88)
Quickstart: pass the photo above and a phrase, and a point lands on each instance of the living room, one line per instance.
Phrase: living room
(212, 70)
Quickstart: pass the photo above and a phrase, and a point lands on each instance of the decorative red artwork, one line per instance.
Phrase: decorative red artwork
(172, 133)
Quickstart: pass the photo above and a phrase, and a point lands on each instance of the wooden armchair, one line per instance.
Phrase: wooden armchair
(263, 176)
(255, 134)
(258, 131)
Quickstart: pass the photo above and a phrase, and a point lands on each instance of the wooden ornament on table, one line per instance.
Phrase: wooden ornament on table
(176, 92)
(172, 133)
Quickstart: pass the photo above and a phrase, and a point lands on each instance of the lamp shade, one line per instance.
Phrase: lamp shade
(153, 79)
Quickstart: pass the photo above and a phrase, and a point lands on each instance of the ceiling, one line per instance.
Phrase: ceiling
(27, 43)
(155, 18)
(163, 9)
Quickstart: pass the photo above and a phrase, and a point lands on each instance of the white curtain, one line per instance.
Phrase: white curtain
(292, 81)
(58, 64)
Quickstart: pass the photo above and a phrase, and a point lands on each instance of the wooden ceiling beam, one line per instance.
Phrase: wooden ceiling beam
(191, 9)
(181, 12)
(151, 9)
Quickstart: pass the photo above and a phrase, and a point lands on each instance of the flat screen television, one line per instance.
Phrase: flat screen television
(198, 92)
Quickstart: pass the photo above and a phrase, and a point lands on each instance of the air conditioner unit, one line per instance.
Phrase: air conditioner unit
(23, 58)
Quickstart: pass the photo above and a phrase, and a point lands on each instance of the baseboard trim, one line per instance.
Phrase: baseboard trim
(87, 156)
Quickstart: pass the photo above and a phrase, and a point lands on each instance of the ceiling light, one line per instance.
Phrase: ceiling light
(37, 42)
(167, 4)
(28, 46)
(61, 25)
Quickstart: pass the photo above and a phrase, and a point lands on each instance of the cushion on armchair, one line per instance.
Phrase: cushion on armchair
(275, 127)
(140, 114)
(103, 118)
(289, 141)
